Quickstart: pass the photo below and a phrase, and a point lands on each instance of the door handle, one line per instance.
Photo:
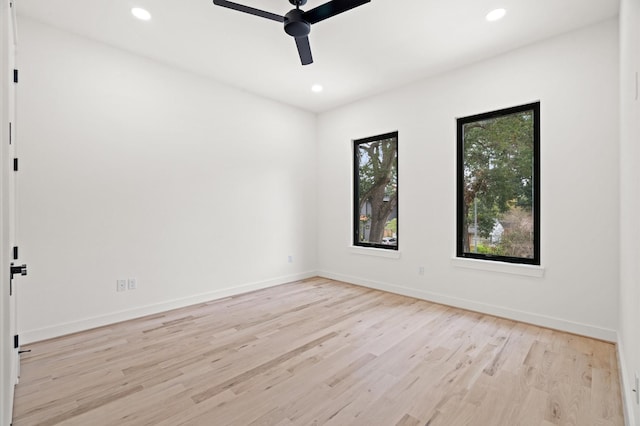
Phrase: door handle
(21, 269)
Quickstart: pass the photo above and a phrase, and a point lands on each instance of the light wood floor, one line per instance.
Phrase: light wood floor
(319, 352)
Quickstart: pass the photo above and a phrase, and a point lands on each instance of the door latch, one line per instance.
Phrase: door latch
(15, 270)
(21, 269)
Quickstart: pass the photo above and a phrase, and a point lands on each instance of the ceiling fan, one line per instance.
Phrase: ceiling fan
(297, 23)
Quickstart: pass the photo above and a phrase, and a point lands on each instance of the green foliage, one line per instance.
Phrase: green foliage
(392, 226)
(498, 168)
(489, 249)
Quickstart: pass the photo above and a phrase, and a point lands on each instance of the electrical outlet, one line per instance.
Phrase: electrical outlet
(132, 284)
(421, 270)
(121, 285)
(290, 259)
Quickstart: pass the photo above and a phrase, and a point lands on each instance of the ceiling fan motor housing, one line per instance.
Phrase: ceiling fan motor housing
(295, 25)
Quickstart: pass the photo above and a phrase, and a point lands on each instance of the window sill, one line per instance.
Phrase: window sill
(371, 251)
(503, 267)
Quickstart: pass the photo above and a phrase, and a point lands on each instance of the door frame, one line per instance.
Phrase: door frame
(9, 358)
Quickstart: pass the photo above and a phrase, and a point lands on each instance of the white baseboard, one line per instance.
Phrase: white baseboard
(499, 311)
(627, 396)
(58, 330)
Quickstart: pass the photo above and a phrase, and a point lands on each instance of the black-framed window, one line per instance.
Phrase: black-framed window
(498, 185)
(375, 195)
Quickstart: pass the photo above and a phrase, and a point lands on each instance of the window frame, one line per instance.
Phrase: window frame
(460, 219)
(356, 195)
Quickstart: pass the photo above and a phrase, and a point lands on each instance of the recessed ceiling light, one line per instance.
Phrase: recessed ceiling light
(141, 13)
(496, 14)
(316, 88)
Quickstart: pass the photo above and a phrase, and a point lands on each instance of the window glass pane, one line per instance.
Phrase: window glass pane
(376, 191)
(497, 203)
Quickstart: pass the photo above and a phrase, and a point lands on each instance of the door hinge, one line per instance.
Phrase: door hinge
(15, 76)
(10, 132)
(16, 342)
(15, 164)
(15, 253)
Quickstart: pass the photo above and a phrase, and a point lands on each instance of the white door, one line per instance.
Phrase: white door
(9, 360)
(11, 97)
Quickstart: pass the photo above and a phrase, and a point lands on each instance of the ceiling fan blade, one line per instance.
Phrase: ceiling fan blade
(249, 10)
(330, 9)
(304, 50)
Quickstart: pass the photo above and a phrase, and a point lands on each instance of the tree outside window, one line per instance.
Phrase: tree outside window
(376, 191)
(498, 185)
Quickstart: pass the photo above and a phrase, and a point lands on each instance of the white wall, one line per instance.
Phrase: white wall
(629, 337)
(575, 77)
(133, 169)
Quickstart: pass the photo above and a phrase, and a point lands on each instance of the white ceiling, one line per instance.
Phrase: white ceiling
(370, 49)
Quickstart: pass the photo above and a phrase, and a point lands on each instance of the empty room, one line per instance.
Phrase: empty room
(305, 212)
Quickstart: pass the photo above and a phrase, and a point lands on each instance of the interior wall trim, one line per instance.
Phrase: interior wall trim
(625, 386)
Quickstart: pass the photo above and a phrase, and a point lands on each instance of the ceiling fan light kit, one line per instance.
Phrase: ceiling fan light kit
(297, 23)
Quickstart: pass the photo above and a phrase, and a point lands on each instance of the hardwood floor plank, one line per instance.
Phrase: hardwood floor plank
(319, 352)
